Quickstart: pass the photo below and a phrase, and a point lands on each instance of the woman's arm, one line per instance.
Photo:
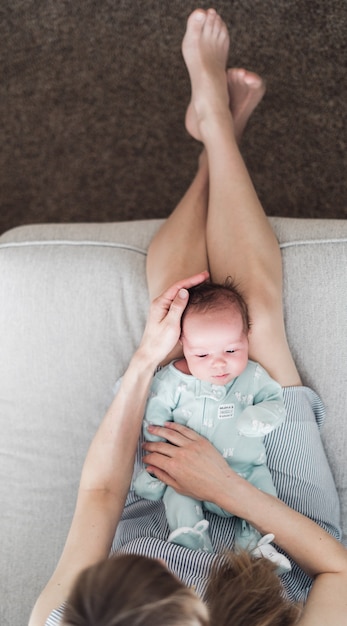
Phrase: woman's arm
(108, 467)
(323, 558)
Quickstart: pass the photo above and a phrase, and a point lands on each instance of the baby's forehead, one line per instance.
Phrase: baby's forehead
(221, 319)
(213, 312)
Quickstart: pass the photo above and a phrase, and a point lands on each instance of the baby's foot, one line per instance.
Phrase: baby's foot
(205, 50)
(246, 90)
(196, 538)
(266, 550)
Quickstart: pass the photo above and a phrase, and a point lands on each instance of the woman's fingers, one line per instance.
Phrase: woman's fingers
(176, 307)
(159, 447)
(183, 459)
(163, 326)
(172, 298)
(174, 433)
(185, 283)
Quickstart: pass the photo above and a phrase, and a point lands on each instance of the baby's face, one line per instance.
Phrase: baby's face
(215, 345)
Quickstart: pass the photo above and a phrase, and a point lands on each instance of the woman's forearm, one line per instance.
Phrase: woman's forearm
(110, 459)
(308, 544)
(104, 484)
(109, 463)
(108, 467)
(183, 464)
(313, 549)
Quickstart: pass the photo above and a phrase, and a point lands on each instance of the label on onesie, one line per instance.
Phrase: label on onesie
(226, 411)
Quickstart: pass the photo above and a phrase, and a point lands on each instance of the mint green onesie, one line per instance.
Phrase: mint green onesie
(234, 418)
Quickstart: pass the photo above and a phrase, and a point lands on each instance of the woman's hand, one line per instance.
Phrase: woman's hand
(163, 326)
(189, 463)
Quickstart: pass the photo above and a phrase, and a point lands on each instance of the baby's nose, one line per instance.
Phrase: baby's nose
(219, 359)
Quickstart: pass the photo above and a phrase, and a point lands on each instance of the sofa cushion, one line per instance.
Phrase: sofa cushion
(73, 307)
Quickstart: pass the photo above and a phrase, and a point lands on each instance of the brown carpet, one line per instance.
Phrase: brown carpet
(93, 95)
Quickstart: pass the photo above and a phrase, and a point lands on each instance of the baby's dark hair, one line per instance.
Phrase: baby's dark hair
(211, 296)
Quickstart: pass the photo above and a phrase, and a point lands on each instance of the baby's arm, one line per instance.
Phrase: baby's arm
(160, 403)
(267, 411)
(158, 411)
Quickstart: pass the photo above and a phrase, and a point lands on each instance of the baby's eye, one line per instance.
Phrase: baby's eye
(230, 351)
(201, 356)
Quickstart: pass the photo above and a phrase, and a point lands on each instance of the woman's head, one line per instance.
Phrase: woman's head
(131, 590)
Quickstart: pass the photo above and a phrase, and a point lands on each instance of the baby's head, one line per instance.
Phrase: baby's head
(214, 333)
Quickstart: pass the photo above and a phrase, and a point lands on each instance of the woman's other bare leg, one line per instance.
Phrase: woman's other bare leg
(240, 241)
(179, 246)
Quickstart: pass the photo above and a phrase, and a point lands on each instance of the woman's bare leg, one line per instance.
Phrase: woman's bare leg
(240, 241)
(179, 247)
(246, 90)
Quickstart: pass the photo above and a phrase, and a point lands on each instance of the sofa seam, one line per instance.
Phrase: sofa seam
(132, 248)
(308, 242)
(61, 242)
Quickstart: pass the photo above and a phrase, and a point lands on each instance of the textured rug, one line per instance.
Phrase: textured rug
(93, 95)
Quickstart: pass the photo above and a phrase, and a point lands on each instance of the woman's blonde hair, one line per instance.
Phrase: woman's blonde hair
(245, 591)
(131, 590)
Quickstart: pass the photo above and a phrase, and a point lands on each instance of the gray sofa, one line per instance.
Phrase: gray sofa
(73, 306)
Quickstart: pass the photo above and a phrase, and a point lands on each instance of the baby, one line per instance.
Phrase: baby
(221, 394)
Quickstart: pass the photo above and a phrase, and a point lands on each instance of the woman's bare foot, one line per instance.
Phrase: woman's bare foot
(246, 90)
(205, 50)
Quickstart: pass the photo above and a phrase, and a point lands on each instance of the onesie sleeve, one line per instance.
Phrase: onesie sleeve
(160, 402)
(267, 411)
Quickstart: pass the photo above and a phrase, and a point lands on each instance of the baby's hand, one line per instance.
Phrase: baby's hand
(259, 420)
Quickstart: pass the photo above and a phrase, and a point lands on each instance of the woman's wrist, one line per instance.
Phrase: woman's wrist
(144, 360)
(239, 497)
(233, 493)
(139, 372)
